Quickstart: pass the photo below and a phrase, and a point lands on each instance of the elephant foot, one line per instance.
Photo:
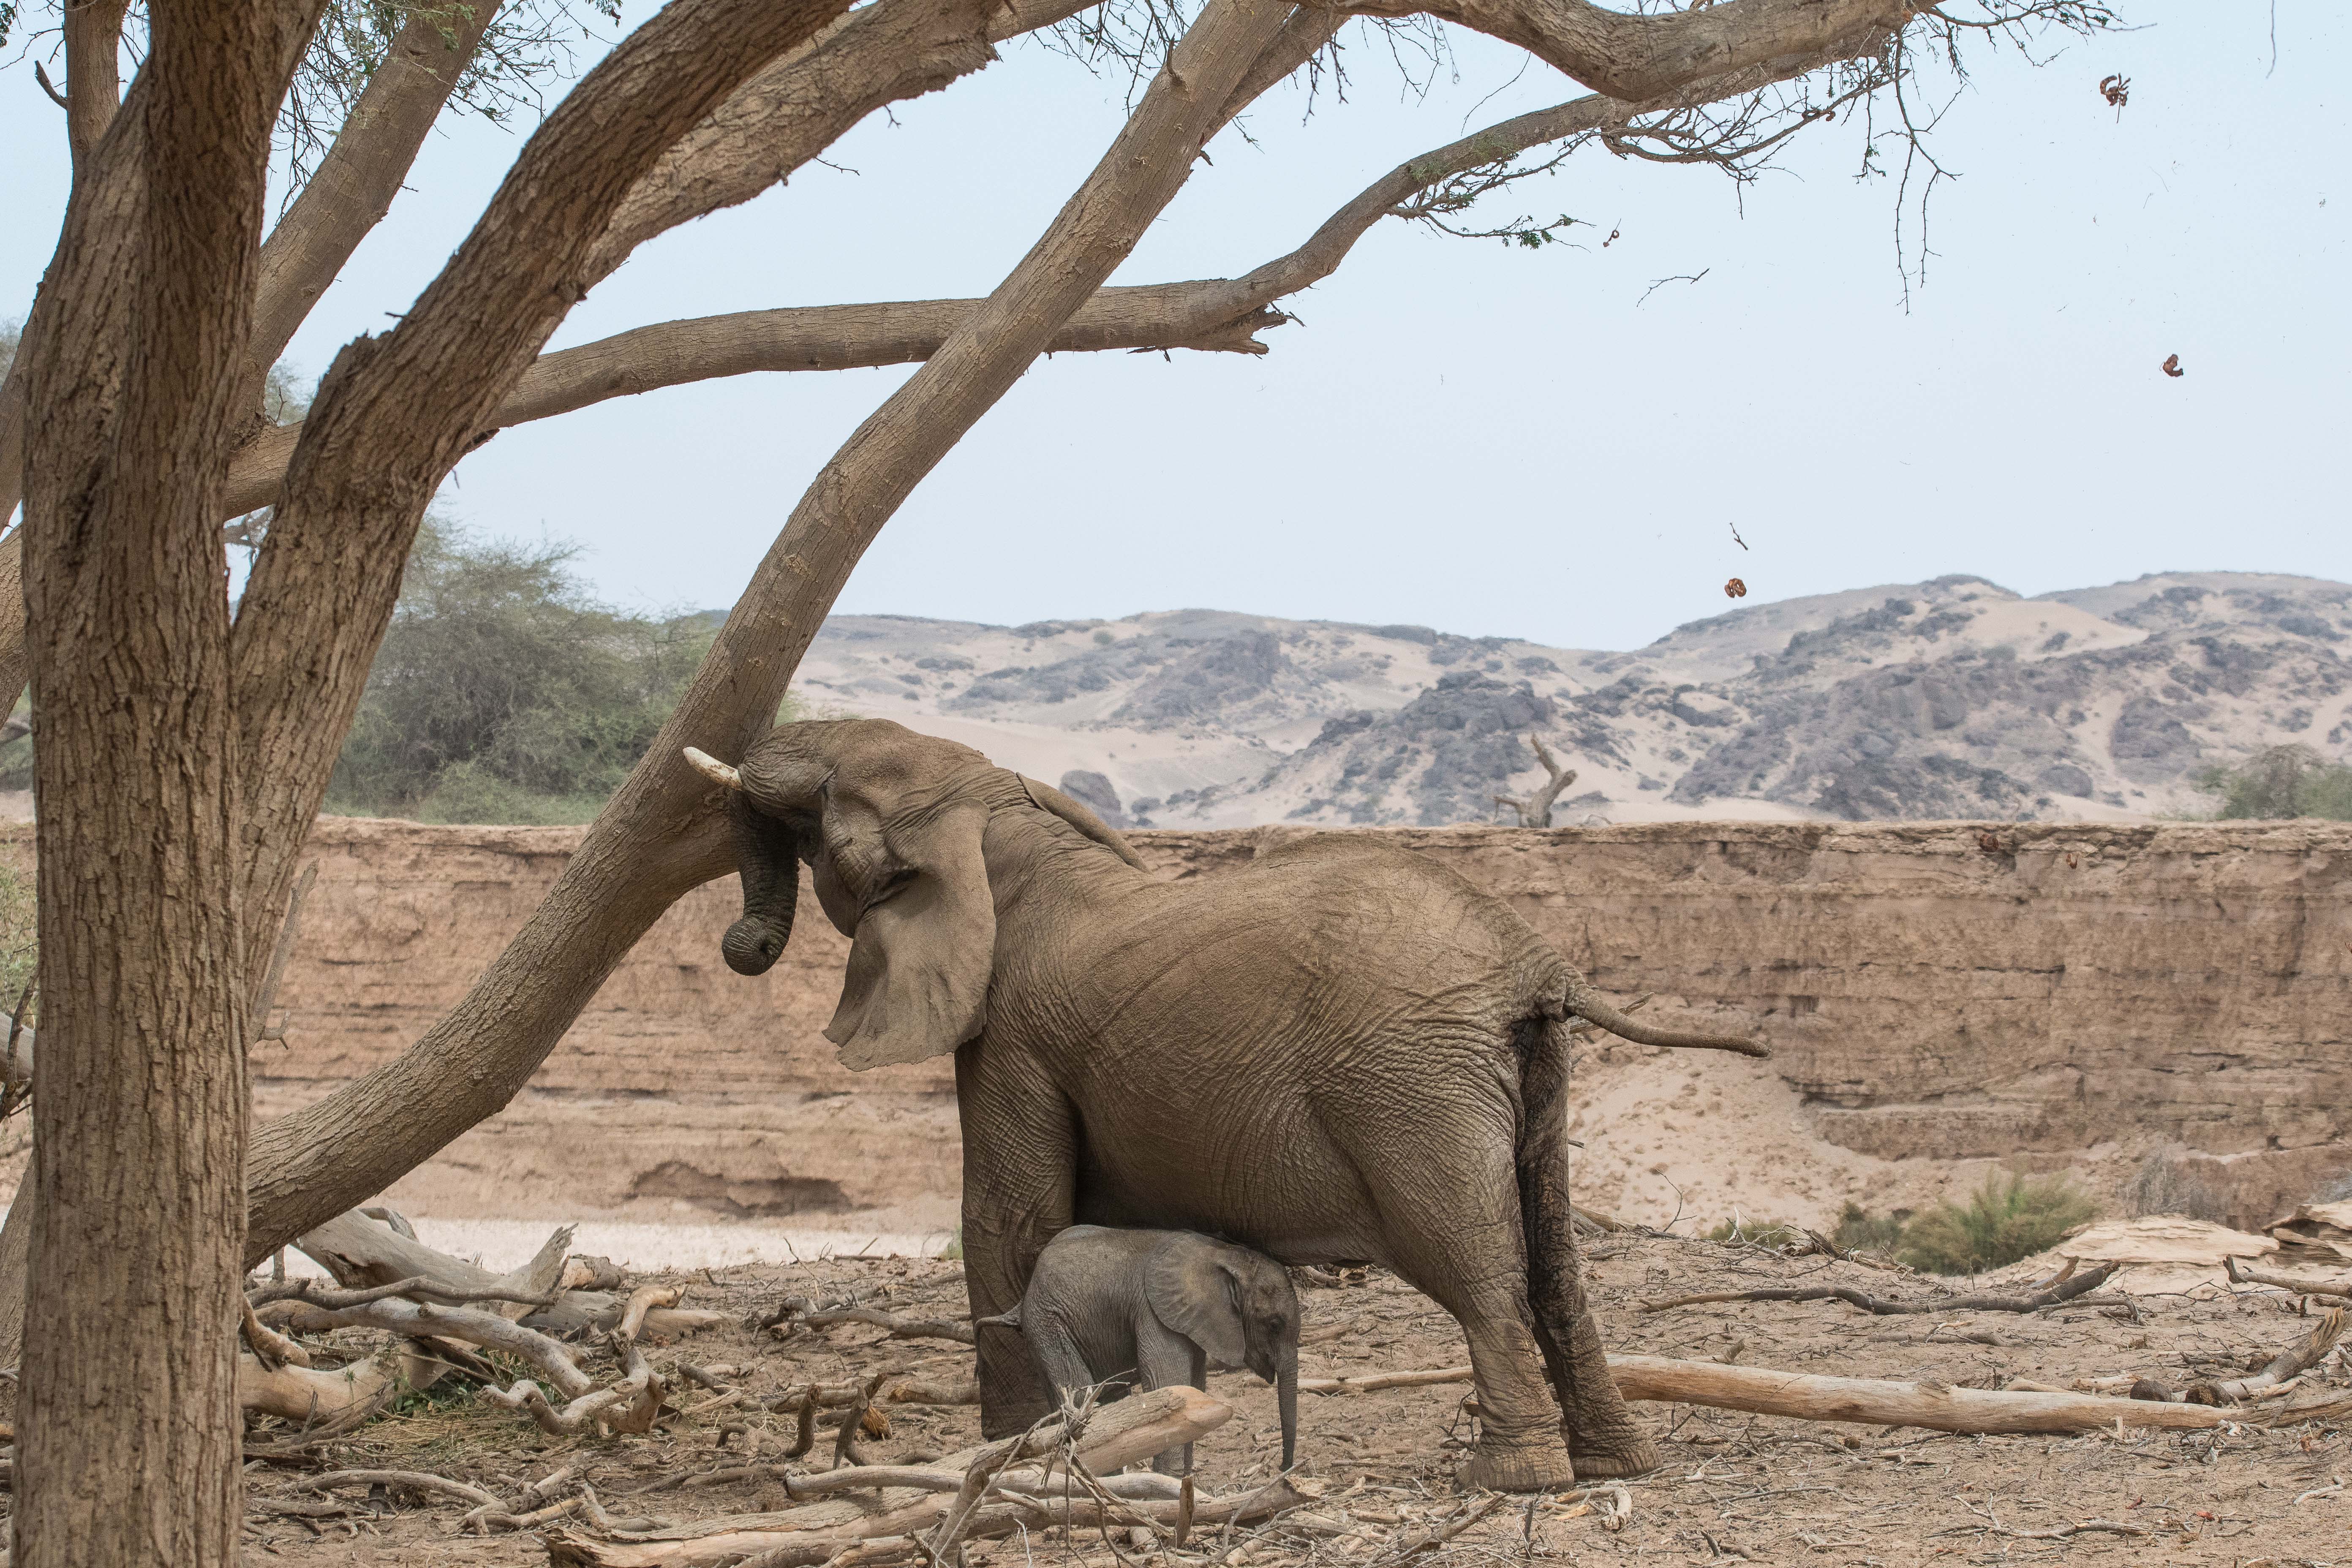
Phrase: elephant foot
(1629, 1455)
(1518, 1467)
(1010, 1417)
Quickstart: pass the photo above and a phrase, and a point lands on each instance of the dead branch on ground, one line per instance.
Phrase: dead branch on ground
(2289, 1363)
(797, 1311)
(1134, 1428)
(2066, 1290)
(2242, 1273)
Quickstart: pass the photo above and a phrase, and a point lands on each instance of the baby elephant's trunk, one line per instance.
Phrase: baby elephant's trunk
(1285, 1387)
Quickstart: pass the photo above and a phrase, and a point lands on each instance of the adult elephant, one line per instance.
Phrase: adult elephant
(1341, 1052)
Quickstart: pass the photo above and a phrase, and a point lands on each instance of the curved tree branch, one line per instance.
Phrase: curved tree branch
(353, 187)
(1638, 58)
(1212, 315)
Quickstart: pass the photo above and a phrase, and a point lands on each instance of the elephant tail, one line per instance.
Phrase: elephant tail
(1008, 1318)
(1584, 1003)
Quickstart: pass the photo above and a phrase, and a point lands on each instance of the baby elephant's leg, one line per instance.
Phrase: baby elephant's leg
(1056, 1349)
(1167, 1360)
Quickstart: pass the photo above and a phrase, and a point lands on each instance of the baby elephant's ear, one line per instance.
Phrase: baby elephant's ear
(1194, 1289)
(917, 984)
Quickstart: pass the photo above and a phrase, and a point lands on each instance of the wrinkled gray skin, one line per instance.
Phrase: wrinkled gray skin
(1153, 1309)
(1337, 1051)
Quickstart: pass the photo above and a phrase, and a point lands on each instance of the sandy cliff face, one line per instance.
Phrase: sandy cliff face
(1938, 994)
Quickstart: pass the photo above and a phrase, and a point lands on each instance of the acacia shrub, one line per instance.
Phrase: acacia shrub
(2279, 783)
(504, 692)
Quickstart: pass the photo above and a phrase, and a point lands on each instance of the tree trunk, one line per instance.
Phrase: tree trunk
(129, 1433)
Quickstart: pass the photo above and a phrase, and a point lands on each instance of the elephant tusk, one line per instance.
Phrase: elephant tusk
(711, 768)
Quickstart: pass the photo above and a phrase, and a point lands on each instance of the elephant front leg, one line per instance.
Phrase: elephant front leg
(1020, 1171)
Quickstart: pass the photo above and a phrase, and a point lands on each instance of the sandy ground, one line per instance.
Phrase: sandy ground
(1734, 1488)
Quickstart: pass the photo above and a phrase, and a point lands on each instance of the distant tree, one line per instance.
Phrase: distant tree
(503, 692)
(1535, 810)
(2281, 782)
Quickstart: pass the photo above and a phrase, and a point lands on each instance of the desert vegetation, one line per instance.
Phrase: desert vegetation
(2281, 782)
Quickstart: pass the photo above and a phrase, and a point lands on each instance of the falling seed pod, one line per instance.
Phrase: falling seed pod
(1734, 589)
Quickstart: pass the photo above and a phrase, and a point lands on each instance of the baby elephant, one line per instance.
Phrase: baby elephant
(1155, 1307)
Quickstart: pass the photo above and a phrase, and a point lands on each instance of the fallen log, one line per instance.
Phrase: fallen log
(2056, 1295)
(416, 1321)
(1374, 1381)
(798, 1311)
(629, 1405)
(311, 1395)
(1874, 1401)
(1936, 1406)
(358, 1251)
(2288, 1364)
(2339, 1287)
(1134, 1428)
(414, 1480)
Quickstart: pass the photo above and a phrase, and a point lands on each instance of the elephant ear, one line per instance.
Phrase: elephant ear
(924, 944)
(1194, 1289)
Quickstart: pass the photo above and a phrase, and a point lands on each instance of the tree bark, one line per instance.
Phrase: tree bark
(664, 831)
(94, 34)
(354, 185)
(129, 1433)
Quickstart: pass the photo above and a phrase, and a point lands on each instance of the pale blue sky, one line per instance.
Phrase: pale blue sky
(1495, 441)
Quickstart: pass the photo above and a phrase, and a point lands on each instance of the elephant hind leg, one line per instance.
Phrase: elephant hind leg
(1604, 1439)
(1450, 1227)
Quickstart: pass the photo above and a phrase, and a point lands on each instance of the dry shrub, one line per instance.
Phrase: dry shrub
(2003, 1221)
(1745, 1232)
(1859, 1230)
(2165, 1184)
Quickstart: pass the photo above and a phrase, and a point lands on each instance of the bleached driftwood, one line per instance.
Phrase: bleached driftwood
(2339, 1285)
(424, 1321)
(629, 1405)
(1871, 1401)
(308, 1394)
(360, 1251)
(1938, 1407)
(2065, 1289)
(2284, 1367)
(1134, 1428)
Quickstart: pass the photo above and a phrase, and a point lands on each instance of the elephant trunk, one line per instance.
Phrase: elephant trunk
(1585, 1004)
(766, 857)
(1285, 1393)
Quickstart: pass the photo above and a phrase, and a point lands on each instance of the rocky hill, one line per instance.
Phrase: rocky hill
(1954, 698)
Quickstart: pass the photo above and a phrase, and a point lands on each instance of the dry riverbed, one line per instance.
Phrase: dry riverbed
(1380, 1466)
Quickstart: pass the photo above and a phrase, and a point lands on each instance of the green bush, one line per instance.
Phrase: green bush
(2003, 1221)
(504, 693)
(2283, 781)
(1859, 1230)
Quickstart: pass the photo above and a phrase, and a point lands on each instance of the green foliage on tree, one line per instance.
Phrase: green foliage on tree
(2281, 782)
(504, 692)
(2003, 1221)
